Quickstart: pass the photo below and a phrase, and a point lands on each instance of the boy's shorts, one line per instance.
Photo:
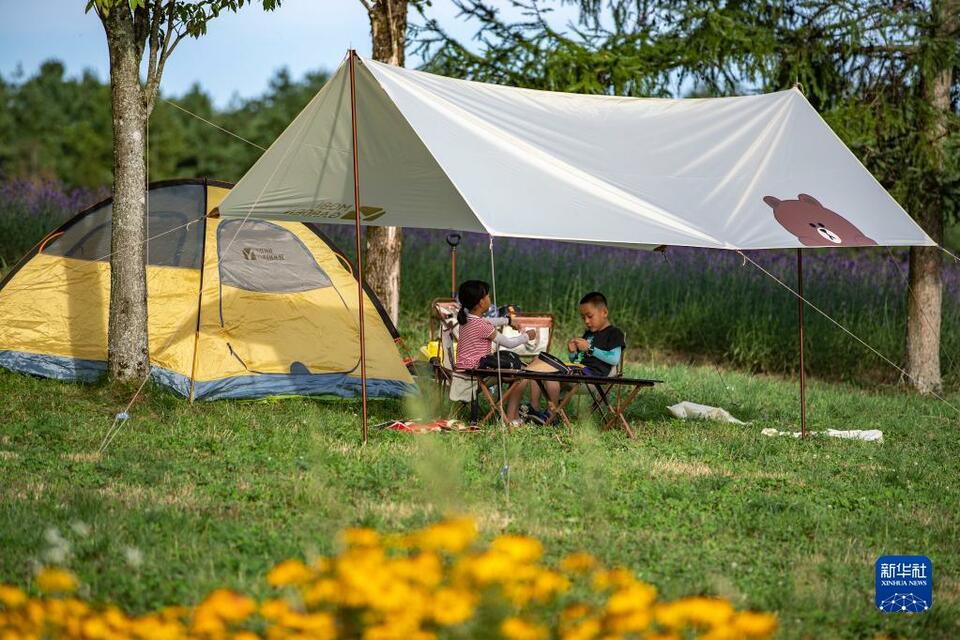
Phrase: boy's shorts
(575, 369)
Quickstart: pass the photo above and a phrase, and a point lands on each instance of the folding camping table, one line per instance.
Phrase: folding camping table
(601, 389)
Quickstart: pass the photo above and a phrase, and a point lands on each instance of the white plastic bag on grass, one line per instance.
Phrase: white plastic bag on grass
(867, 435)
(692, 411)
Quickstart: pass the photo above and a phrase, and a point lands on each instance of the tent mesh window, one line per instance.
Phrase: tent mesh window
(262, 256)
(174, 230)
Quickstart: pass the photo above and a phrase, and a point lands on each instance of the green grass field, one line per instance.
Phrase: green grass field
(188, 498)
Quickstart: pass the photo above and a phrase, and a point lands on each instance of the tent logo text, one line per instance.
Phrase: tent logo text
(262, 253)
(337, 211)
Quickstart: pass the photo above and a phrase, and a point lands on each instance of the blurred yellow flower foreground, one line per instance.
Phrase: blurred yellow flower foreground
(433, 583)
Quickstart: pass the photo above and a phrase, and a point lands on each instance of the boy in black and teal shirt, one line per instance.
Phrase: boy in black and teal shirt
(596, 353)
(599, 350)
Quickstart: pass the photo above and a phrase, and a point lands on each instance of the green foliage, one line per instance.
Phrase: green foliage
(52, 126)
(191, 16)
(56, 126)
(212, 494)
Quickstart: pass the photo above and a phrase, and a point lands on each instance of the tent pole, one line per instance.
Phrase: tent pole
(356, 209)
(203, 266)
(803, 373)
(196, 336)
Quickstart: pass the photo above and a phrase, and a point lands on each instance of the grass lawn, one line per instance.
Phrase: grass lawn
(213, 494)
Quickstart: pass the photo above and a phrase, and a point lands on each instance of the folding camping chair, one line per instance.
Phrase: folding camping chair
(444, 328)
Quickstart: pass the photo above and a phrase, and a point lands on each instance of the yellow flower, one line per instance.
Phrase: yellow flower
(755, 625)
(634, 597)
(518, 548)
(314, 625)
(321, 591)
(610, 578)
(226, 605)
(707, 611)
(487, 568)
(632, 622)
(518, 593)
(453, 535)
(423, 568)
(94, 628)
(723, 632)
(701, 611)
(120, 622)
(519, 629)
(360, 537)
(11, 597)
(452, 606)
(580, 562)
(52, 580)
(274, 609)
(584, 630)
(287, 573)
(574, 612)
(388, 631)
(547, 584)
(154, 628)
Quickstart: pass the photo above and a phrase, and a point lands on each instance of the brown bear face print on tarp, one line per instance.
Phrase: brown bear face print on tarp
(815, 225)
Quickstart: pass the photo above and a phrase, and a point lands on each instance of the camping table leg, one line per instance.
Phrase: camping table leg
(599, 396)
(621, 407)
(558, 409)
(494, 405)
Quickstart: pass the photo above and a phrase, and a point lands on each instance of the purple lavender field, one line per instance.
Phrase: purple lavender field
(29, 209)
(698, 304)
(691, 304)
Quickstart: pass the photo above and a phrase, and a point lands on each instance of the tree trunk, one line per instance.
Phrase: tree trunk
(128, 350)
(925, 292)
(388, 27)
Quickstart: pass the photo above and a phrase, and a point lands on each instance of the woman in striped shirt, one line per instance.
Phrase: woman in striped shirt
(477, 332)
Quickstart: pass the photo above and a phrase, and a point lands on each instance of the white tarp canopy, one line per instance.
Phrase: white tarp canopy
(752, 172)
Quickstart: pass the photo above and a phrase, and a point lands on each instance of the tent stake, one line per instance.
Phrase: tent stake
(803, 374)
(356, 208)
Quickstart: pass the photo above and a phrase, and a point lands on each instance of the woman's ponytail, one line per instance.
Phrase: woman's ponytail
(470, 294)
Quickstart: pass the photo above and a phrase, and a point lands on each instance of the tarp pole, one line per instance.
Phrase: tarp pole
(356, 209)
(803, 373)
(453, 239)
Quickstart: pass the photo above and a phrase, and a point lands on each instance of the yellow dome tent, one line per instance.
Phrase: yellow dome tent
(237, 309)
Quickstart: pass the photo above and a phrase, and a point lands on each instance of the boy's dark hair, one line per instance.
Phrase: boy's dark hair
(595, 298)
(470, 293)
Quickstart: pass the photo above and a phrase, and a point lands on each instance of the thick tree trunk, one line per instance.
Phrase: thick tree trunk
(388, 26)
(926, 288)
(128, 351)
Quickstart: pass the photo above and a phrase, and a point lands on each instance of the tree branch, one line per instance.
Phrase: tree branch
(366, 5)
(154, 38)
